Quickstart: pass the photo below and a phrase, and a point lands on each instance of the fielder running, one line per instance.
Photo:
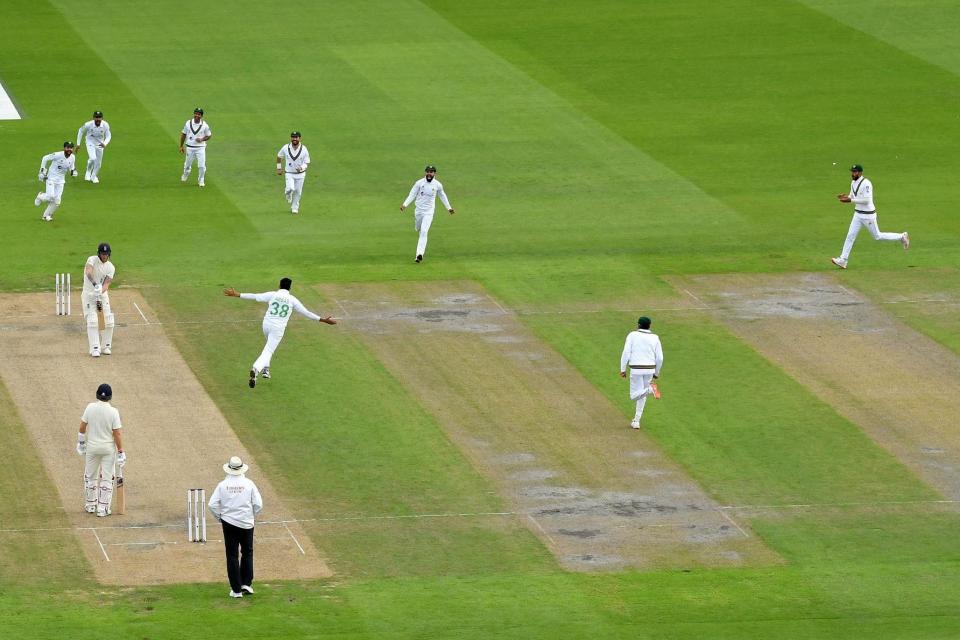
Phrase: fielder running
(425, 191)
(280, 304)
(100, 443)
(864, 215)
(643, 354)
(98, 273)
(97, 134)
(292, 161)
(61, 163)
(194, 136)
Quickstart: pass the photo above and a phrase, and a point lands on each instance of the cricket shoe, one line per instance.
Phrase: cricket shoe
(183, 178)
(418, 259)
(840, 262)
(86, 177)
(106, 350)
(253, 378)
(247, 589)
(96, 352)
(234, 594)
(294, 210)
(104, 514)
(90, 509)
(635, 424)
(46, 218)
(95, 180)
(905, 240)
(201, 183)
(38, 199)
(655, 390)
(265, 373)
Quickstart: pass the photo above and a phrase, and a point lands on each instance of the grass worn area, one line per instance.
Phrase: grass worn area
(589, 149)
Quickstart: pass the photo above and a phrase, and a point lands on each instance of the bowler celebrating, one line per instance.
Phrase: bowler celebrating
(425, 191)
(279, 305)
(292, 161)
(97, 133)
(61, 163)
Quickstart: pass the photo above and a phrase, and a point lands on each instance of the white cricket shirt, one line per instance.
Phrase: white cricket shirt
(101, 418)
(94, 134)
(642, 348)
(280, 304)
(194, 131)
(294, 159)
(236, 500)
(861, 194)
(60, 166)
(101, 271)
(426, 192)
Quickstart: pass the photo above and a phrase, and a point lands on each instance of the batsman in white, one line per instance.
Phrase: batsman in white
(97, 134)
(194, 137)
(55, 176)
(99, 441)
(643, 354)
(98, 273)
(280, 304)
(864, 215)
(425, 191)
(292, 161)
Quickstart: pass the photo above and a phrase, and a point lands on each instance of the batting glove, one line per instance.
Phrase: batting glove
(42, 176)
(98, 288)
(81, 444)
(121, 458)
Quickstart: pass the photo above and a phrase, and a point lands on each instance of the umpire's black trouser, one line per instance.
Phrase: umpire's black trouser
(239, 546)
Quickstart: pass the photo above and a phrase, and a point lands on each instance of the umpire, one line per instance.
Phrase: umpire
(235, 503)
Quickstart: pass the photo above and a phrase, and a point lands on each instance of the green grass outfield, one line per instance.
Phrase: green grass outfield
(590, 148)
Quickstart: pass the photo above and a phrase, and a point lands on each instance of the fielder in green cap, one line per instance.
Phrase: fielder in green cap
(425, 192)
(292, 162)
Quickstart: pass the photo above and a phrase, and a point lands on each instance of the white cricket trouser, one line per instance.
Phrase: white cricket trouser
(200, 153)
(51, 196)
(94, 159)
(640, 388)
(294, 187)
(422, 222)
(273, 335)
(869, 221)
(89, 302)
(98, 477)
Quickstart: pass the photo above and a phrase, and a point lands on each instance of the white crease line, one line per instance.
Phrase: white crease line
(101, 544)
(731, 520)
(141, 313)
(696, 299)
(295, 541)
(542, 530)
(920, 300)
(490, 298)
(837, 504)
(346, 314)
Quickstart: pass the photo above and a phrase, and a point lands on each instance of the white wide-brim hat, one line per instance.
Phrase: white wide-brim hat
(235, 467)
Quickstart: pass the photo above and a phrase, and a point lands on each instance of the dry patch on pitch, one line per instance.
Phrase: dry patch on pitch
(175, 436)
(898, 385)
(600, 495)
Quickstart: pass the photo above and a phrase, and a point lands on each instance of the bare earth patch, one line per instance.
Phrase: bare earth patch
(600, 495)
(175, 436)
(898, 385)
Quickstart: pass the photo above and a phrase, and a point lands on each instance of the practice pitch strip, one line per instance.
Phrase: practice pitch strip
(174, 434)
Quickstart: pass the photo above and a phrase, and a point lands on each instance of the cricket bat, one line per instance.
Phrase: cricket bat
(120, 498)
(101, 324)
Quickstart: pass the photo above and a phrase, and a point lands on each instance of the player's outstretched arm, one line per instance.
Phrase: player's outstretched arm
(230, 291)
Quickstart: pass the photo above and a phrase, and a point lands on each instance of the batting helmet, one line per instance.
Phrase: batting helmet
(104, 392)
(103, 247)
